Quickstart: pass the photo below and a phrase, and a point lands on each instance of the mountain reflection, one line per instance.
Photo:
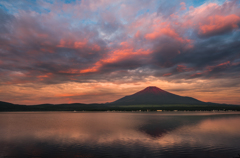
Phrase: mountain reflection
(118, 134)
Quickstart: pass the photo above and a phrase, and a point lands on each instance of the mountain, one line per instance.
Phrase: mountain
(142, 100)
(5, 106)
(9, 106)
(155, 95)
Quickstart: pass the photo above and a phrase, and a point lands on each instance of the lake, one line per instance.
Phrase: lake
(109, 134)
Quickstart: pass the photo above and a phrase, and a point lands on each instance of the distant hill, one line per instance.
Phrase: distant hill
(5, 106)
(156, 96)
(149, 99)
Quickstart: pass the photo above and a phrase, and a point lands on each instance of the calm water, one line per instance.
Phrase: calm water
(143, 135)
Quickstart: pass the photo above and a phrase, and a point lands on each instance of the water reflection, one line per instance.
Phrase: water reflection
(62, 134)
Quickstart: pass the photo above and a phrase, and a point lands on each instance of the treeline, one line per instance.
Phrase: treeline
(4, 106)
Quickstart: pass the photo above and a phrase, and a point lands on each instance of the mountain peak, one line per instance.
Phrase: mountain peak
(155, 95)
(152, 90)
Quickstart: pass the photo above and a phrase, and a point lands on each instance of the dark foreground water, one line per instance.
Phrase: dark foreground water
(143, 135)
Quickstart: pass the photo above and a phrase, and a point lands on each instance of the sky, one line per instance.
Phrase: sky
(97, 51)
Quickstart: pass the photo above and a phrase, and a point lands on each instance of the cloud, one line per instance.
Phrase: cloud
(212, 19)
(217, 25)
(122, 41)
(183, 5)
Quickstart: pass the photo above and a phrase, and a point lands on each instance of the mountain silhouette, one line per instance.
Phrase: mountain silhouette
(148, 96)
(155, 95)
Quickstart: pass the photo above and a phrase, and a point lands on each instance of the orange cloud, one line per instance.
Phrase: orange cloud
(93, 69)
(225, 63)
(80, 44)
(166, 31)
(47, 75)
(222, 65)
(116, 56)
(218, 23)
(125, 44)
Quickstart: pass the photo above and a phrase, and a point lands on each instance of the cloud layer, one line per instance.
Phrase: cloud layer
(46, 43)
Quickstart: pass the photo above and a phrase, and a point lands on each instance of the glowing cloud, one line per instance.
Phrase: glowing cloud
(118, 43)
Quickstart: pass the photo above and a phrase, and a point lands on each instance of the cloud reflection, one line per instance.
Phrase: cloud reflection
(150, 130)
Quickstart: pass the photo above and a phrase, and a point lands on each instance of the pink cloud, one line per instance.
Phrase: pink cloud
(166, 31)
(222, 65)
(124, 53)
(137, 35)
(212, 19)
(44, 76)
(218, 24)
(183, 6)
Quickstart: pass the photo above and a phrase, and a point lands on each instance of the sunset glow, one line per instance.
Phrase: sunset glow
(97, 51)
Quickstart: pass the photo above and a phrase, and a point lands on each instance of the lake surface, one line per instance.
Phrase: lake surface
(108, 134)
